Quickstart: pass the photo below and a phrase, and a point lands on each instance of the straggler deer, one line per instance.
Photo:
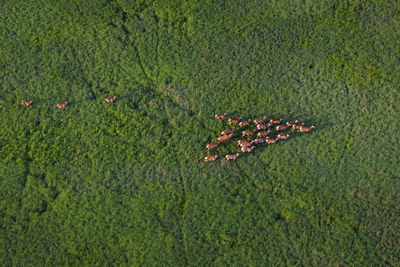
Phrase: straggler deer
(291, 123)
(297, 126)
(210, 158)
(247, 149)
(62, 105)
(263, 134)
(305, 129)
(282, 127)
(26, 102)
(233, 156)
(234, 120)
(225, 137)
(110, 99)
(227, 132)
(244, 123)
(258, 121)
(283, 136)
(275, 121)
(220, 116)
(211, 146)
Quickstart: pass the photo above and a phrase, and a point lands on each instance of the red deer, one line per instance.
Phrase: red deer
(258, 121)
(245, 143)
(225, 137)
(247, 133)
(26, 103)
(211, 146)
(271, 141)
(244, 123)
(247, 149)
(297, 126)
(259, 140)
(62, 105)
(263, 134)
(234, 156)
(210, 158)
(305, 129)
(234, 120)
(275, 121)
(291, 123)
(262, 127)
(281, 127)
(283, 136)
(110, 99)
(227, 132)
(220, 116)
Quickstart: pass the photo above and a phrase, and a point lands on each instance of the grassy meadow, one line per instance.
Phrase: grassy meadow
(124, 183)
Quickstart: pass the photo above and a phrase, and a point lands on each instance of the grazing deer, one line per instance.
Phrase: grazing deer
(258, 121)
(234, 120)
(110, 99)
(210, 158)
(225, 137)
(283, 136)
(211, 146)
(263, 134)
(275, 121)
(262, 127)
(305, 129)
(270, 140)
(259, 140)
(220, 116)
(26, 102)
(62, 105)
(297, 126)
(291, 123)
(245, 143)
(233, 156)
(247, 133)
(281, 127)
(227, 132)
(247, 149)
(244, 123)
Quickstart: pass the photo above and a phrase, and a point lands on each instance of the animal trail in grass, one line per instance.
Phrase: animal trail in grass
(249, 133)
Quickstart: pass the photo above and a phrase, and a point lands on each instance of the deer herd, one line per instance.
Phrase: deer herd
(262, 131)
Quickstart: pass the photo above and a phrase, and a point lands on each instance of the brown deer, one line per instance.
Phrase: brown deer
(297, 126)
(225, 137)
(211, 146)
(259, 140)
(62, 105)
(270, 140)
(220, 116)
(247, 149)
(233, 156)
(247, 133)
(291, 123)
(245, 143)
(282, 127)
(262, 127)
(258, 121)
(234, 120)
(227, 132)
(263, 134)
(305, 129)
(244, 123)
(275, 121)
(26, 102)
(110, 99)
(283, 136)
(210, 158)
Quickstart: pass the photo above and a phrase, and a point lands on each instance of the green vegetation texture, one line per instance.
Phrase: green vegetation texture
(124, 183)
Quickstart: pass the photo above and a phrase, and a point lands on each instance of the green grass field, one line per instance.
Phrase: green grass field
(125, 183)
